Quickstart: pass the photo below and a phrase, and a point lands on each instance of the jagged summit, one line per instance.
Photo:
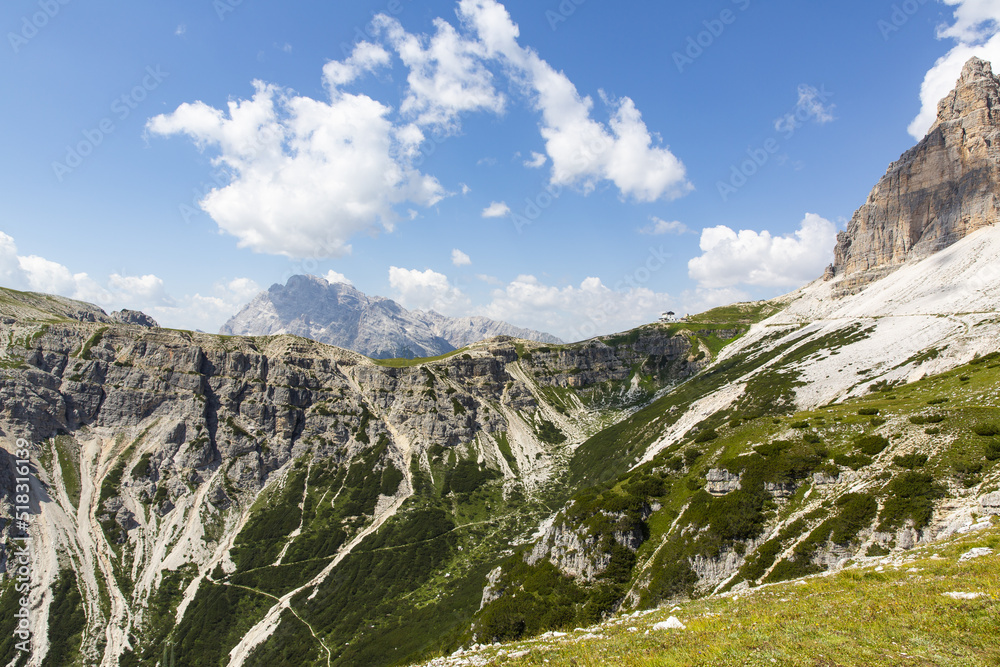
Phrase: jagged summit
(338, 314)
(936, 194)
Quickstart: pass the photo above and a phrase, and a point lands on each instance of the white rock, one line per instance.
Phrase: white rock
(671, 623)
(963, 596)
(978, 552)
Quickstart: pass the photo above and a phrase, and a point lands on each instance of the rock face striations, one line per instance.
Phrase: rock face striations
(338, 314)
(938, 192)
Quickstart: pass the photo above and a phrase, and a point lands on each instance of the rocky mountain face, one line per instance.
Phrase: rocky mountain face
(169, 467)
(937, 193)
(380, 328)
(232, 500)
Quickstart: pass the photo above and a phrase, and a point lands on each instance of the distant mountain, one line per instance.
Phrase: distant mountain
(338, 314)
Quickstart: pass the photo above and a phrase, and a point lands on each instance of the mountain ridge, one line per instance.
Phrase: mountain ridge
(378, 327)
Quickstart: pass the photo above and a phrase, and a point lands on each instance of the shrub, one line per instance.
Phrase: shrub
(911, 461)
(868, 412)
(986, 429)
(692, 455)
(910, 497)
(706, 436)
(871, 444)
(800, 424)
(993, 451)
(550, 433)
(852, 461)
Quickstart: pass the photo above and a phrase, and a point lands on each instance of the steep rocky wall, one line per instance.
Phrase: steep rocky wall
(937, 193)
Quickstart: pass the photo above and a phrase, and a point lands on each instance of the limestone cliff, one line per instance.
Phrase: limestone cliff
(936, 194)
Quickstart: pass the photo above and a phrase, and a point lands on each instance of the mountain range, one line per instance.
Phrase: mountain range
(234, 500)
(338, 314)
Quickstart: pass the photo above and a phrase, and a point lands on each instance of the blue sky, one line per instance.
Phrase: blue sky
(567, 166)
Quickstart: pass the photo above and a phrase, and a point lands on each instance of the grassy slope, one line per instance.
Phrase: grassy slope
(884, 611)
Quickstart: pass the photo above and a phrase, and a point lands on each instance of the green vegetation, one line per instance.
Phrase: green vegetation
(855, 618)
(550, 433)
(910, 497)
(67, 621)
(68, 454)
(94, 339)
(409, 363)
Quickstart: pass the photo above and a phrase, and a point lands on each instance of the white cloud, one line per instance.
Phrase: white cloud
(575, 312)
(148, 289)
(427, 290)
(976, 32)
(488, 279)
(658, 227)
(583, 151)
(751, 258)
(537, 160)
(975, 20)
(146, 293)
(365, 58)
(811, 105)
(334, 277)
(181, 29)
(306, 175)
(465, 188)
(701, 299)
(447, 74)
(459, 258)
(206, 312)
(497, 209)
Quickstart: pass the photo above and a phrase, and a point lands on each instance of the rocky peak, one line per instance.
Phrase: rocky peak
(338, 314)
(977, 95)
(135, 317)
(937, 193)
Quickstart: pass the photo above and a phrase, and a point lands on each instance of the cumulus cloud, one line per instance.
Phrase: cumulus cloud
(427, 290)
(575, 312)
(731, 258)
(701, 299)
(206, 312)
(146, 293)
(459, 258)
(448, 75)
(658, 227)
(334, 277)
(306, 175)
(537, 160)
(583, 151)
(975, 31)
(365, 58)
(497, 209)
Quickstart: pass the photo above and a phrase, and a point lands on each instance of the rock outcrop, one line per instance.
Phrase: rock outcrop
(135, 317)
(337, 314)
(938, 192)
